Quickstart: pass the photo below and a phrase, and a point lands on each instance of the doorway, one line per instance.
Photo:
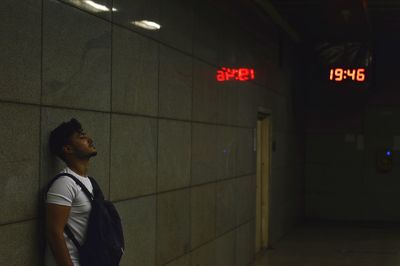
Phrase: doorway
(262, 180)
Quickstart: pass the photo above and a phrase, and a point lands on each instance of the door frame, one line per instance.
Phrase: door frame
(263, 168)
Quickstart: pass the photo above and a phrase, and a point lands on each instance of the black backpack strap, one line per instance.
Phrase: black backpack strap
(79, 183)
(53, 180)
(71, 236)
(97, 193)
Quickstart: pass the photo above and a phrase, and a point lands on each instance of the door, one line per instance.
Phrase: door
(262, 180)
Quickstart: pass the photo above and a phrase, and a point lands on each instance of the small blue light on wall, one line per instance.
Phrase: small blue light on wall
(384, 160)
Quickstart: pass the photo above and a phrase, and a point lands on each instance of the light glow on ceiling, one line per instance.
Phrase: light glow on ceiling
(146, 24)
(98, 6)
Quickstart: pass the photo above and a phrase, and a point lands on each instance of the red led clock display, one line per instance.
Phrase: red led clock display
(241, 74)
(341, 74)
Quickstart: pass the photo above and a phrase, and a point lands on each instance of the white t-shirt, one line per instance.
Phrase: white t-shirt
(64, 191)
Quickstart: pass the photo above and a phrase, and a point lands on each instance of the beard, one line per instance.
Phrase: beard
(86, 155)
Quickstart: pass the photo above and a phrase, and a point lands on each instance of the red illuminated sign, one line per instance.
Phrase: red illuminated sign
(341, 74)
(241, 74)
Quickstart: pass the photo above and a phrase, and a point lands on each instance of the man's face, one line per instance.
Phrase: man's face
(82, 145)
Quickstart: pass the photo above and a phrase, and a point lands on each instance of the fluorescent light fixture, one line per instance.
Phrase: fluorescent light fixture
(148, 25)
(98, 6)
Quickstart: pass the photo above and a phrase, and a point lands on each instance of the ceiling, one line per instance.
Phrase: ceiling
(337, 20)
(320, 20)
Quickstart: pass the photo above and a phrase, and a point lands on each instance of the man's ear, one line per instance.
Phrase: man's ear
(67, 149)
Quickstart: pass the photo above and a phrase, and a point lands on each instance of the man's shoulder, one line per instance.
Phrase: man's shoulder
(62, 190)
(63, 180)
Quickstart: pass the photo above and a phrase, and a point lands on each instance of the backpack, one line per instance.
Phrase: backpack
(104, 242)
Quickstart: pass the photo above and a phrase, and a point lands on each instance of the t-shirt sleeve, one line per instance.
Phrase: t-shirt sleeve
(62, 192)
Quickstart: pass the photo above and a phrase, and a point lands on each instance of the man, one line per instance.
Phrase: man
(66, 203)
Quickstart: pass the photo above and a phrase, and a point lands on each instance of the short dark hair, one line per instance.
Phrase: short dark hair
(61, 135)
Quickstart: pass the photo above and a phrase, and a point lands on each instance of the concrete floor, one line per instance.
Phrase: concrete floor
(336, 245)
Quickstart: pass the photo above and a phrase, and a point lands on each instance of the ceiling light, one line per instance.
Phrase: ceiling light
(148, 25)
(98, 6)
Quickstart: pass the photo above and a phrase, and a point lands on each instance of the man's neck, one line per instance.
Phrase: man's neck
(79, 167)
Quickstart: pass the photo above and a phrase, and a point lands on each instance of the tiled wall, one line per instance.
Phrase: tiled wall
(175, 147)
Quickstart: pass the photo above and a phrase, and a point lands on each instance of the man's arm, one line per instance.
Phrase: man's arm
(56, 219)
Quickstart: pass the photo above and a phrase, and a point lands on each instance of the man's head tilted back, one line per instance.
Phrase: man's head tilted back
(61, 135)
(70, 134)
